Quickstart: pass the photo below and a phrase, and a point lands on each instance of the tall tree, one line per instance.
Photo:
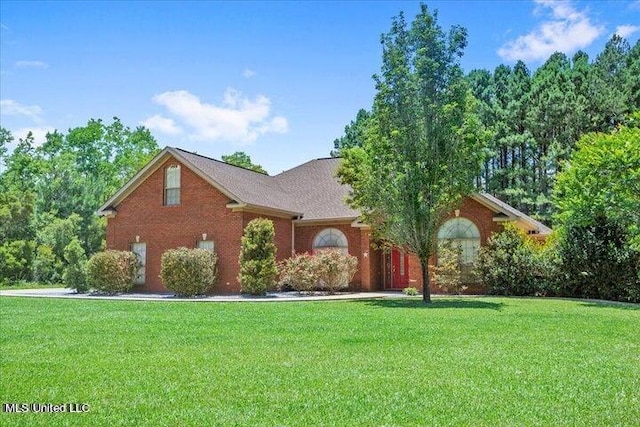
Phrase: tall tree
(609, 89)
(422, 150)
(354, 133)
(5, 139)
(242, 159)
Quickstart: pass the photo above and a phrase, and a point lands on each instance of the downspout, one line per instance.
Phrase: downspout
(293, 234)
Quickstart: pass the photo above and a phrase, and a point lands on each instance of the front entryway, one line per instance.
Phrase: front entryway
(396, 266)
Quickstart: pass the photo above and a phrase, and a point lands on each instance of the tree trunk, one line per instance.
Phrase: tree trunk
(426, 289)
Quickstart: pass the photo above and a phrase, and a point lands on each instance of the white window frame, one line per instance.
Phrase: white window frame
(330, 238)
(206, 244)
(172, 185)
(462, 233)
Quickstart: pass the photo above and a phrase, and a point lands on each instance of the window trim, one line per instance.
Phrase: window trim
(166, 199)
(469, 245)
(330, 231)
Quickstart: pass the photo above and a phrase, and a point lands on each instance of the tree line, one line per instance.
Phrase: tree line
(534, 119)
(49, 195)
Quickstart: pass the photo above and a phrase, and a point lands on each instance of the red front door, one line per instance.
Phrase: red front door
(398, 270)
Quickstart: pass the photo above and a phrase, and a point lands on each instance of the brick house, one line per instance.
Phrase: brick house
(184, 199)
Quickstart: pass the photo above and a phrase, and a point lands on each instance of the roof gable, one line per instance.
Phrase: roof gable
(310, 191)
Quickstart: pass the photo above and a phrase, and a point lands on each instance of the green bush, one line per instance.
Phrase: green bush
(597, 261)
(188, 272)
(16, 258)
(299, 272)
(258, 268)
(75, 275)
(46, 266)
(514, 264)
(335, 269)
(112, 271)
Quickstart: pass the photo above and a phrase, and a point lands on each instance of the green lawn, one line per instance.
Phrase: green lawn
(465, 361)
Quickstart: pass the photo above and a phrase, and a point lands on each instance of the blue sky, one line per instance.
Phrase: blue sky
(278, 80)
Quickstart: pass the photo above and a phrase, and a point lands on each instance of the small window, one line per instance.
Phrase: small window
(172, 185)
(206, 244)
(330, 238)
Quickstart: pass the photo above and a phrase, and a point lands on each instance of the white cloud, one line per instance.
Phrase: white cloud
(162, 124)
(11, 107)
(248, 73)
(625, 31)
(566, 29)
(237, 119)
(32, 64)
(39, 134)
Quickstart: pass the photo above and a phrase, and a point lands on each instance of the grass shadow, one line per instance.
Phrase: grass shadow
(436, 303)
(612, 304)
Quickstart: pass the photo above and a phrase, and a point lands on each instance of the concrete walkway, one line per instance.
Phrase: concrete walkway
(271, 297)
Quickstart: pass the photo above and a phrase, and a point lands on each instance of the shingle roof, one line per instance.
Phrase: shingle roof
(512, 212)
(310, 190)
(316, 190)
(245, 185)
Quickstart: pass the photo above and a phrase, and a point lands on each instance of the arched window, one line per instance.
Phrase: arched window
(330, 238)
(463, 234)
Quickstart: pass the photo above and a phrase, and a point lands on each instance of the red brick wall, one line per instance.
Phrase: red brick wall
(305, 234)
(202, 210)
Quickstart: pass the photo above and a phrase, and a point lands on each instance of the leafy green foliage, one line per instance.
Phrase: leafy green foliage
(242, 159)
(258, 267)
(75, 273)
(112, 271)
(46, 266)
(16, 257)
(598, 262)
(57, 187)
(513, 264)
(423, 146)
(189, 272)
(354, 134)
(603, 180)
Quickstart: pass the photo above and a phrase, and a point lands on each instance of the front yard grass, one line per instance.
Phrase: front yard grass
(460, 361)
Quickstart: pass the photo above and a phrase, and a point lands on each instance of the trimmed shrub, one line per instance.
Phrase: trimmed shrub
(597, 261)
(258, 267)
(112, 271)
(448, 273)
(411, 291)
(188, 272)
(75, 275)
(514, 264)
(299, 272)
(335, 269)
